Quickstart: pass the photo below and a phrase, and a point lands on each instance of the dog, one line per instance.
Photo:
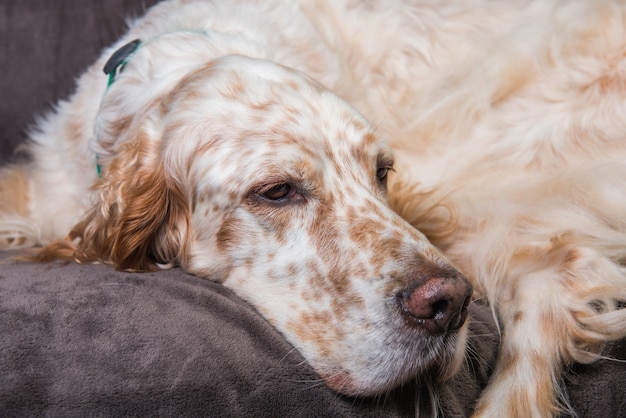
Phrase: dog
(357, 170)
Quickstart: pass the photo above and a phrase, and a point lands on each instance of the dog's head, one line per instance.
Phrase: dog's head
(252, 174)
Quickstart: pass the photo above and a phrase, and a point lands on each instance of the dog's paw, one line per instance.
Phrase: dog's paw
(18, 233)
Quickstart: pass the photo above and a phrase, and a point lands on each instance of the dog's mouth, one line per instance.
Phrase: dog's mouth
(344, 383)
(431, 345)
(436, 358)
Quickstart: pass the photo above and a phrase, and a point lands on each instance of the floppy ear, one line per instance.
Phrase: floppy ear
(141, 220)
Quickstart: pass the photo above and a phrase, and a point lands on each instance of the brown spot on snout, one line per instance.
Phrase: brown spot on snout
(437, 302)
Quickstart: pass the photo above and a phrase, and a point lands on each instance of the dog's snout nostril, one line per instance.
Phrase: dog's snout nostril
(439, 309)
(437, 304)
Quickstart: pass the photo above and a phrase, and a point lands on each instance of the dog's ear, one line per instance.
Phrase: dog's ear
(141, 219)
(152, 227)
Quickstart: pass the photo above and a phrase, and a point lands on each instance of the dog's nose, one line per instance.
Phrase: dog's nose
(438, 303)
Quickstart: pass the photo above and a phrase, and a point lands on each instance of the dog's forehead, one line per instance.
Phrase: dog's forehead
(243, 94)
(245, 117)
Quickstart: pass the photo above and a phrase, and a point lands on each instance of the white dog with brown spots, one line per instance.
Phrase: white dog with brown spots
(228, 143)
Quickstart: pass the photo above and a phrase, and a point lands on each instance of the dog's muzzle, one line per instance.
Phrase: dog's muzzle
(436, 303)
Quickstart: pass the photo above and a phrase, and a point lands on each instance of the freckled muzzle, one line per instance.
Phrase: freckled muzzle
(436, 302)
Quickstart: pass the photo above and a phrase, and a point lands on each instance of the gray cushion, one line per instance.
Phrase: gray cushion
(79, 340)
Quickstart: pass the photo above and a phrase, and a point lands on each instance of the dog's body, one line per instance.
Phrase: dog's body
(219, 157)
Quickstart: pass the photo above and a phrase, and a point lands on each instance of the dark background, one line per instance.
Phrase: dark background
(44, 46)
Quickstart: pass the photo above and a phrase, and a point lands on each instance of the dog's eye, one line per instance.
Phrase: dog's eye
(278, 192)
(384, 164)
(381, 175)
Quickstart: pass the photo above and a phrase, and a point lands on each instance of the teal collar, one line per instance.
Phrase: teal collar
(115, 64)
(113, 67)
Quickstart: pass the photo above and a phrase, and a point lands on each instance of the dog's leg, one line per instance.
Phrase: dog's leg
(559, 302)
(42, 199)
(550, 257)
(561, 307)
(16, 229)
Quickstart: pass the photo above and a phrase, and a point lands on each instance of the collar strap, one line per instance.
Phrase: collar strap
(115, 64)
(113, 67)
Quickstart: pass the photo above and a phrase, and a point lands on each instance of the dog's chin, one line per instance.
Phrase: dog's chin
(442, 364)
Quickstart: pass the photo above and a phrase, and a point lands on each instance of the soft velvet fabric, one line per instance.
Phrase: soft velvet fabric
(85, 340)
